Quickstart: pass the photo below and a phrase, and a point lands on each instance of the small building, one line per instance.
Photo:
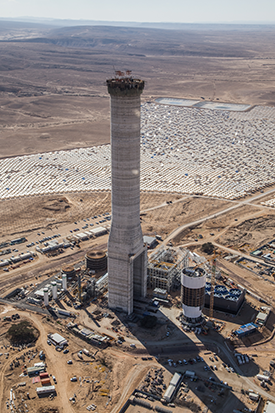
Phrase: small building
(58, 340)
(261, 318)
(168, 395)
(81, 236)
(150, 241)
(190, 374)
(33, 371)
(160, 293)
(269, 407)
(173, 387)
(246, 329)
(254, 396)
(45, 390)
(98, 231)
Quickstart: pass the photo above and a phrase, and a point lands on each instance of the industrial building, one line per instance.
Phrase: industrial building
(173, 387)
(164, 268)
(227, 300)
(57, 340)
(127, 254)
(193, 282)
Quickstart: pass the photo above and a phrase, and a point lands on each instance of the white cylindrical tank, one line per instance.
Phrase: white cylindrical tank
(54, 290)
(64, 282)
(46, 296)
(192, 295)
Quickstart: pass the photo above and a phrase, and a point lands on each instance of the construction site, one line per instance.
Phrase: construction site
(157, 296)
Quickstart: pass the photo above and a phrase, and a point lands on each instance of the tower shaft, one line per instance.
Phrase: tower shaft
(127, 256)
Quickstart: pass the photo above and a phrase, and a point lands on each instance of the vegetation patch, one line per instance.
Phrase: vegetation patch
(22, 333)
(208, 248)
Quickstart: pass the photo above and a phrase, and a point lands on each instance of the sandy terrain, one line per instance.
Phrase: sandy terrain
(53, 94)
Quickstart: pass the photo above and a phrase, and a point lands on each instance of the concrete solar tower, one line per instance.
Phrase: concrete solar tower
(127, 255)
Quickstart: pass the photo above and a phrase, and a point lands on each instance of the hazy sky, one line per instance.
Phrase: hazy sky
(182, 11)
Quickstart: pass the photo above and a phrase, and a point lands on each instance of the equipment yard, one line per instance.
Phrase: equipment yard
(117, 370)
(106, 378)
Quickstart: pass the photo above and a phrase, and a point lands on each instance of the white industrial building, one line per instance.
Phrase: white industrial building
(173, 387)
(57, 340)
(269, 407)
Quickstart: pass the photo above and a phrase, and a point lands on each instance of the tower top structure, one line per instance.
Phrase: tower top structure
(123, 84)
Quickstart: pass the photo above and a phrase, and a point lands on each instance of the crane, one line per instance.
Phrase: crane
(213, 275)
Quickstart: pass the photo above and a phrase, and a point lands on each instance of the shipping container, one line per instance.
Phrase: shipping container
(43, 375)
(46, 382)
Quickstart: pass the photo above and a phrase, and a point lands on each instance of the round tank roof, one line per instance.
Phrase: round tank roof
(193, 272)
(95, 254)
(68, 268)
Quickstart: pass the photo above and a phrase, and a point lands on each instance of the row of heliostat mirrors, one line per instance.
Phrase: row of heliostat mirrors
(183, 150)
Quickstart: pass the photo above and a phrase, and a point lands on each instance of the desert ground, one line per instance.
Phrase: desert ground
(52, 82)
(52, 97)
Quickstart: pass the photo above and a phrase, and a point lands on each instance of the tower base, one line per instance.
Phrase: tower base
(192, 322)
(127, 279)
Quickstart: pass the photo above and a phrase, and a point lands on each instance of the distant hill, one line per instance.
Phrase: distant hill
(139, 41)
(152, 25)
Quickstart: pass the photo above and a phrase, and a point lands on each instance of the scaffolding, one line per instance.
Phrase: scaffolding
(165, 266)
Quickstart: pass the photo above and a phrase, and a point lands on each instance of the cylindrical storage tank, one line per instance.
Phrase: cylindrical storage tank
(193, 282)
(68, 270)
(54, 290)
(96, 260)
(46, 296)
(64, 282)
